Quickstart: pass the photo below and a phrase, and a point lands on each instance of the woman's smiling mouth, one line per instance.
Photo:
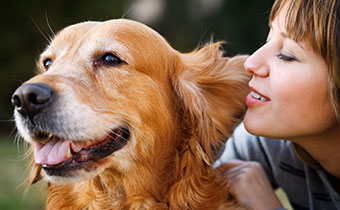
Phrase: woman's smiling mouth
(257, 96)
(254, 98)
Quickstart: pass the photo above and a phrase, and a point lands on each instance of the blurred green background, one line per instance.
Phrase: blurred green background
(25, 26)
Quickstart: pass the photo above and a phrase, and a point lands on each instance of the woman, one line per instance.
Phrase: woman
(295, 94)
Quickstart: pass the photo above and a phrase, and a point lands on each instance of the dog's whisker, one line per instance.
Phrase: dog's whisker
(126, 12)
(136, 129)
(28, 151)
(121, 137)
(49, 26)
(5, 121)
(42, 33)
(15, 133)
(17, 139)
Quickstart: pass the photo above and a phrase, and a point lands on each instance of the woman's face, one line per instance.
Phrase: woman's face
(289, 97)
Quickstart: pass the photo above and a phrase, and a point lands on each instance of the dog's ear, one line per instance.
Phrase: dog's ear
(211, 90)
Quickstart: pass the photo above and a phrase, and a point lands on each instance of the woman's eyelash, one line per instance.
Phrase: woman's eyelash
(286, 57)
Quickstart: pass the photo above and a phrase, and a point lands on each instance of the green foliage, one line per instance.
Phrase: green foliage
(12, 176)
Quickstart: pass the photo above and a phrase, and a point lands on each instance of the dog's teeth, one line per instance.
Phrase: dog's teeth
(88, 143)
(69, 154)
(44, 140)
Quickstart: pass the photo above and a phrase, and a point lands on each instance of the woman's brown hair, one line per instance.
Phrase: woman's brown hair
(318, 21)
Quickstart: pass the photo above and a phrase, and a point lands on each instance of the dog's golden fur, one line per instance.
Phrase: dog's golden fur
(179, 109)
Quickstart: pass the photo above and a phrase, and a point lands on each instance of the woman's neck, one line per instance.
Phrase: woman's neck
(324, 148)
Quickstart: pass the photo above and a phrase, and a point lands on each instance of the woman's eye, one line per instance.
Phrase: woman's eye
(110, 59)
(47, 63)
(287, 58)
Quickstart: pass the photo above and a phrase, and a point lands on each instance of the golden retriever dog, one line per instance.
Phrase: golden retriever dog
(118, 119)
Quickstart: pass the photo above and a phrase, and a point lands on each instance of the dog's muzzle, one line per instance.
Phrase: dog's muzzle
(37, 106)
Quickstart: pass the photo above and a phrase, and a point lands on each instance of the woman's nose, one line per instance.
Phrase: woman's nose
(257, 63)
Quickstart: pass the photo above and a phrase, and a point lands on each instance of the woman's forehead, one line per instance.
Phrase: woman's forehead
(282, 24)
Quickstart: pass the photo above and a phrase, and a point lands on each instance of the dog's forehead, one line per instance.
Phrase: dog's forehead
(91, 35)
(122, 30)
(76, 30)
(69, 35)
(126, 32)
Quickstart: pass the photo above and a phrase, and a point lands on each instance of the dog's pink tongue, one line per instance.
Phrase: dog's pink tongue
(54, 151)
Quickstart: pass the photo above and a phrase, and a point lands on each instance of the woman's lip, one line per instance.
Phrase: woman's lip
(254, 98)
(257, 94)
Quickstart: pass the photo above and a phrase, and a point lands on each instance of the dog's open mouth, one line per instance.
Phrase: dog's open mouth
(58, 156)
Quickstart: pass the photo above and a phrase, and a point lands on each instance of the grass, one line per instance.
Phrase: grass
(14, 194)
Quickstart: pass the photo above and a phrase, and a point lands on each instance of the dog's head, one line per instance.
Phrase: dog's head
(114, 95)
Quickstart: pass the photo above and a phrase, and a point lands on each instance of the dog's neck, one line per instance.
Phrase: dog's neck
(111, 190)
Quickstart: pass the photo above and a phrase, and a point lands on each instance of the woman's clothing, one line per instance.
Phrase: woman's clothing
(306, 183)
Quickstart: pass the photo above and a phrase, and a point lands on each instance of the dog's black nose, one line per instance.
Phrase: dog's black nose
(29, 99)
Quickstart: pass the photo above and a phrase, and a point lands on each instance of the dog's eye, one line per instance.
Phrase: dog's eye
(47, 63)
(110, 59)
